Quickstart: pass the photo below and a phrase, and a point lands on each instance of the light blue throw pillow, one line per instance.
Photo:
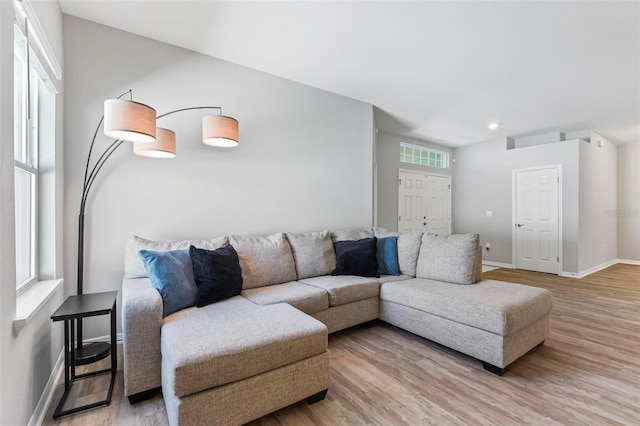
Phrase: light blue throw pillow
(388, 256)
(171, 273)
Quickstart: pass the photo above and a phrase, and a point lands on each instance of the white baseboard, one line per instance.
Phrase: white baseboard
(498, 264)
(105, 338)
(597, 268)
(47, 395)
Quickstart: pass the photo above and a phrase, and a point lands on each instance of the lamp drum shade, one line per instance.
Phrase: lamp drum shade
(163, 147)
(129, 121)
(220, 131)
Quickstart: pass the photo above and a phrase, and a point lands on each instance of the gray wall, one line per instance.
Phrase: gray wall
(628, 209)
(305, 160)
(388, 162)
(26, 360)
(482, 178)
(598, 229)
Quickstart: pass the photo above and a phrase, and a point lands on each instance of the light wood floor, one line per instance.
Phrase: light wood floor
(587, 373)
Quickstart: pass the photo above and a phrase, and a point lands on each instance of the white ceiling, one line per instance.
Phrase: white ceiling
(439, 71)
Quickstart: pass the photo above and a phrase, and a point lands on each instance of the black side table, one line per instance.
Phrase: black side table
(76, 308)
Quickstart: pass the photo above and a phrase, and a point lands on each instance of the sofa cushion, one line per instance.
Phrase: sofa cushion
(449, 258)
(304, 297)
(171, 274)
(313, 253)
(392, 278)
(356, 258)
(234, 339)
(217, 274)
(498, 307)
(345, 288)
(264, 260)
(352, 234)
(380, 232)
(387, 255)
(133, 266)
(408, 250)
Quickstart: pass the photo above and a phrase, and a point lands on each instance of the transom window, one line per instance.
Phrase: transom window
(422, 156)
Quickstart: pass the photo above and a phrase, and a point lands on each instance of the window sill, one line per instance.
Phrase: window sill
(29, 303)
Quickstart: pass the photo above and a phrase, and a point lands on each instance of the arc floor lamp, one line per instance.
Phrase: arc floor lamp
(130, 121)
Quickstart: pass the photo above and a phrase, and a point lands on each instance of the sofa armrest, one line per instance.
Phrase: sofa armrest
(141, 323)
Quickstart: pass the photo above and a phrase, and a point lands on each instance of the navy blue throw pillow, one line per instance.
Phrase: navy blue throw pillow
(217, 274)
(356, 258)
(388, 256)
(171, 274)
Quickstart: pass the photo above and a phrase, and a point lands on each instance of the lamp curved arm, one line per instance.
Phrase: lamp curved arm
(101, 161)
(188, 109)
(89, 177)
(90, 174)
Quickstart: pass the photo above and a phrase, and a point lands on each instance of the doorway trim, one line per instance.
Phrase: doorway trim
(425, 174)
(514, 240)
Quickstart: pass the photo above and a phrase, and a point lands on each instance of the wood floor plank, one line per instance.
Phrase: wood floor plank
(587, 373)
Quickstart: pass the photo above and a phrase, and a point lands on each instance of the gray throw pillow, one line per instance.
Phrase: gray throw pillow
(133, 265)
(264, 260)
(353, 234)
(380, 232)
(313, 253)
(408, 249)
(450, 259)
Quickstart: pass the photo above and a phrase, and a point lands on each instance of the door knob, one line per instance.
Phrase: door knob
(424, 223)
(520, 225)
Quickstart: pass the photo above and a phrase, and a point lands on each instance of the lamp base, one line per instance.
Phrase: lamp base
(92, 352)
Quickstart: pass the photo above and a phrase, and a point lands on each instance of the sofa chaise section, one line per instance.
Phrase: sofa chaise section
(233, 345)
(493, 321)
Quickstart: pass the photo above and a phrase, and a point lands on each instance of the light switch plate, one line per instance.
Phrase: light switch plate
(489, 213)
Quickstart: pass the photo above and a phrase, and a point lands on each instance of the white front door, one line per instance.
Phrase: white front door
(438, 204)
(537, 219)
(424, 203)
(412, 202)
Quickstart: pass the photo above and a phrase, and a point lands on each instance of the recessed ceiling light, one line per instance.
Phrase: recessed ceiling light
(493, 126)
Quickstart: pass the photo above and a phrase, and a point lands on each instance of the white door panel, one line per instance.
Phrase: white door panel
(439, 218)
(424, 203)
(411, 192)
(537, 220)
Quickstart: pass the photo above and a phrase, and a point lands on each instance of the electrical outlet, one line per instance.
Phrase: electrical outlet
(488, 246)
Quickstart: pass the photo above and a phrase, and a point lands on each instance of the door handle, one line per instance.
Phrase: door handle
(424, 223)
(520, 225)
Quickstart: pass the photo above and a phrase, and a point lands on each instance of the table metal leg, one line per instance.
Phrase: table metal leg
(114, 353)
(73, 350)
(67, 348)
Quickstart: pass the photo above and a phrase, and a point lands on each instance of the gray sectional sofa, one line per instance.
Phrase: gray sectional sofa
(241, 358)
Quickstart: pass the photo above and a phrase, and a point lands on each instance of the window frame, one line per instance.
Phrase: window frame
(26, 151)
(423, 156)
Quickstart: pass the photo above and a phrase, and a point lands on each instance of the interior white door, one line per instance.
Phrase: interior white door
(438, 205)
(412, 201)
(537, 220)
